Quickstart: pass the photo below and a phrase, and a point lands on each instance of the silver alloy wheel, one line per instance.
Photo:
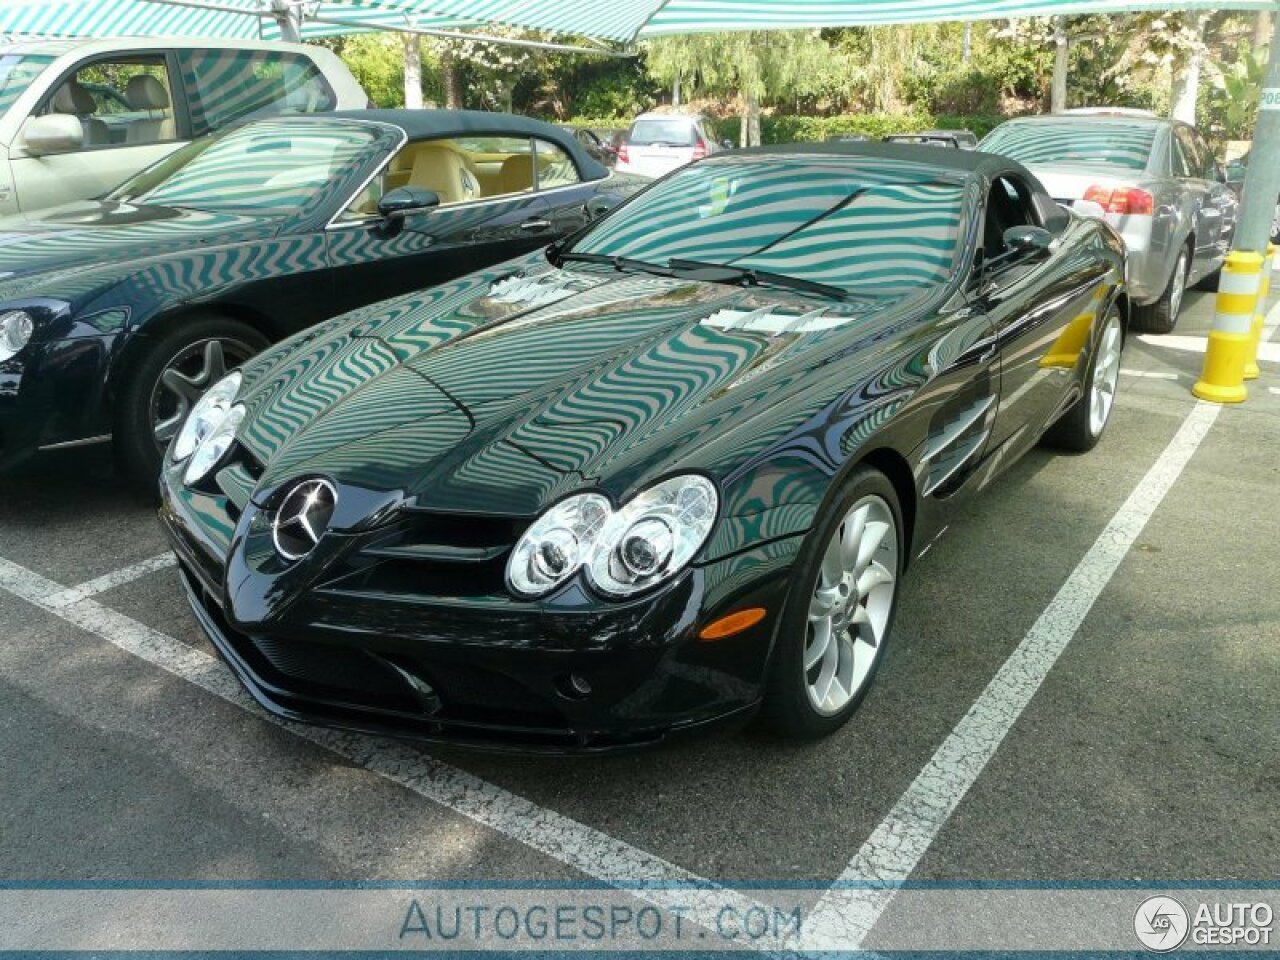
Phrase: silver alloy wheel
(1179, 280)
(1106, 374)
(850, 607)
(185, 378)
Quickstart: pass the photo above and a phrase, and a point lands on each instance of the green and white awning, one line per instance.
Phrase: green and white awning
(620, 21)
(225, 19)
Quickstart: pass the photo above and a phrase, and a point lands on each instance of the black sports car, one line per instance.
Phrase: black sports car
(116, 313)
(654, 476)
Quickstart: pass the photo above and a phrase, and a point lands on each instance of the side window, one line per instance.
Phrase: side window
(225, 85)
(465, 169)
(123, 101)
(1183, 157)
(1208, 163)
(1008, 205)
(555, 167)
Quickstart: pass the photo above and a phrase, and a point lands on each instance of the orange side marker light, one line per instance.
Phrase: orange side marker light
(733, 623)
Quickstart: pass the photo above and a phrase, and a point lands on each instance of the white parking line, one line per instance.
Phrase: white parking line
(848, 911)
(574, 844)
(1151, 374)
(109, 581)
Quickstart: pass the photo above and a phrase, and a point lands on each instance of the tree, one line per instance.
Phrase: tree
(412, 71)
(754, 65)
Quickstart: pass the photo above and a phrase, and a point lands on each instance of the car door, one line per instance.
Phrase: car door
(1204, 206)
(1041, 311)
(488, 212)
(130, 116)
(1221, 194)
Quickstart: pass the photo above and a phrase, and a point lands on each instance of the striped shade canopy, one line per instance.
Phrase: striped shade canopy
(627, 20)
(622, 21)
(217, 19)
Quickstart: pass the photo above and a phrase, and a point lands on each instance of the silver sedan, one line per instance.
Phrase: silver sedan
(1154, 180)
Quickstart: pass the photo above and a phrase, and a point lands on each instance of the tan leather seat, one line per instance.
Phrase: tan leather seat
(145, 92)
(517, 173)
(440, 168)
(71, 98)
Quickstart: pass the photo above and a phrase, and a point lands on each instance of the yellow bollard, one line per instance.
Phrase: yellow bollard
(1259, 318)
(1222, 379)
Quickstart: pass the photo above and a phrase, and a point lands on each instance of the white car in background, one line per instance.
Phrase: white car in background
(79, 117)
(658, 143)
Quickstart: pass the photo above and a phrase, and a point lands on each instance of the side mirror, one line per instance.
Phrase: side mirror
(597, 207)
(53, 133)
(1029, 241)
(1220, 172)
(396, 203)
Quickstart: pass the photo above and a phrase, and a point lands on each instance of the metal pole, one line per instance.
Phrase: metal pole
(1262, 180)
(288, 18)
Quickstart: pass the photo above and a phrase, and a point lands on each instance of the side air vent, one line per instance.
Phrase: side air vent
(954, 440)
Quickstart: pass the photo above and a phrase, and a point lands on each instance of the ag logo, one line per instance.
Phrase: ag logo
(303, 518)
(1161, 923)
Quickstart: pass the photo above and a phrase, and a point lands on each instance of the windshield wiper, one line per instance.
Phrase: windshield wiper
(724, 273)
(621, 264)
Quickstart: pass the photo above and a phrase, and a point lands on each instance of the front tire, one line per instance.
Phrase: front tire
(167, 379)
(1081, 427)
(1162, 316)
(839, 611)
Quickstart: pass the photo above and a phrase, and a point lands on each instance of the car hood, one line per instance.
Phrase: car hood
(498, 395)
(96, 233)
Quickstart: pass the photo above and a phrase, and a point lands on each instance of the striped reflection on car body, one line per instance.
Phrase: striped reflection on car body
(291, 162)
(1075, 140)
(877, 227)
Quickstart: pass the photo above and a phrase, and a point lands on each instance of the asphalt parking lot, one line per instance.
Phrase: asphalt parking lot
(1082, 686)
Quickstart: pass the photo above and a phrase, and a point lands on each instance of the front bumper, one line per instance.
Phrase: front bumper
(342, 645)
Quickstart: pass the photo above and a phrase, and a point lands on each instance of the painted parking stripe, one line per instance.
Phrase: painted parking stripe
(1151, 374)
(109, 581)
(593, 853)
(847, 912)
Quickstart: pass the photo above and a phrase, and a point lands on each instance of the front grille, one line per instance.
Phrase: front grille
(434, 555)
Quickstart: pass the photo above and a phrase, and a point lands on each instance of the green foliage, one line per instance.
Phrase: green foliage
(377, 61)
(803, 129)
(1231, 103)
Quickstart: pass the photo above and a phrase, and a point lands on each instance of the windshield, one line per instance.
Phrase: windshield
(1075, 141)
(678, 131)
(272, 166)
(17, 71)
(864, 226)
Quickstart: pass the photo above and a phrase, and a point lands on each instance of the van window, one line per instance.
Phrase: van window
(17, 71)
(226, 85)
(122, 101)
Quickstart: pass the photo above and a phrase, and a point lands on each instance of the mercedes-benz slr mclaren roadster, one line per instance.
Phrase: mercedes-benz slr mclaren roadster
(665, 472)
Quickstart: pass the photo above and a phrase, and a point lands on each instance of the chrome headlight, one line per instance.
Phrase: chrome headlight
(557, 544)
(214, 446)
(648, 540)
(16, 328)
(654, 535)
(209, 411)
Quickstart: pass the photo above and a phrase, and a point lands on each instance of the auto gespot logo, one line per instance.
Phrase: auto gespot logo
(1162, 923)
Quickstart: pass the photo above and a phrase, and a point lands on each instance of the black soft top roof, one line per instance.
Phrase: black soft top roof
(430, 124)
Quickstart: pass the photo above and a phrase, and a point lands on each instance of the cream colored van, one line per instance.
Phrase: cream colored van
(79, 117)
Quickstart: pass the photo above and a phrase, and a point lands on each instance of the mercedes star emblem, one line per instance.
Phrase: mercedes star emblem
(303, 518)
